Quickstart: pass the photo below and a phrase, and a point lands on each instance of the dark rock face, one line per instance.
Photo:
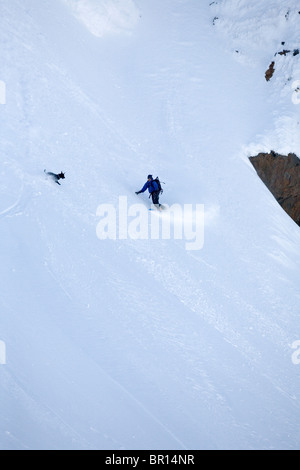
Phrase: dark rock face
(281, 174)
(270, 72)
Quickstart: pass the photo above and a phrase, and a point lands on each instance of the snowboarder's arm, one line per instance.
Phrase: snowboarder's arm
(145, 187)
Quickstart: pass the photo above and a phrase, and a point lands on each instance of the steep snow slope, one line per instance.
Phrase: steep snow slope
(139, 343)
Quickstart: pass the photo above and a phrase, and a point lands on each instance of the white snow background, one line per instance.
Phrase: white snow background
(141, 344)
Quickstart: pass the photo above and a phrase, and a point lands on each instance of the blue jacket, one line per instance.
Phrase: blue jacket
(151, 186)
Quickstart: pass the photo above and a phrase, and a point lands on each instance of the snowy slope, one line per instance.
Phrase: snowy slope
(141, 344)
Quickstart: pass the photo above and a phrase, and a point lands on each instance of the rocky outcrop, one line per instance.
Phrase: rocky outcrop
(270, 72)
(281, 174)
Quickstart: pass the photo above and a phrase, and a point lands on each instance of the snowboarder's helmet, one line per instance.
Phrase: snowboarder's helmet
(150, 177)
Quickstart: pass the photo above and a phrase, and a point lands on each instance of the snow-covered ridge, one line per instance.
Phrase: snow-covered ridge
(106, 16)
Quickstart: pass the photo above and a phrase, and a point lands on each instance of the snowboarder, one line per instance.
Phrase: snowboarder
(153, 189)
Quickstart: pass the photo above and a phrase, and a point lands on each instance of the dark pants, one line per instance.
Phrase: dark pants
(155, 198)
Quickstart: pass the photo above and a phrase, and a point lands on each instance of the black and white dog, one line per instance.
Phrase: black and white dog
(55, 177)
